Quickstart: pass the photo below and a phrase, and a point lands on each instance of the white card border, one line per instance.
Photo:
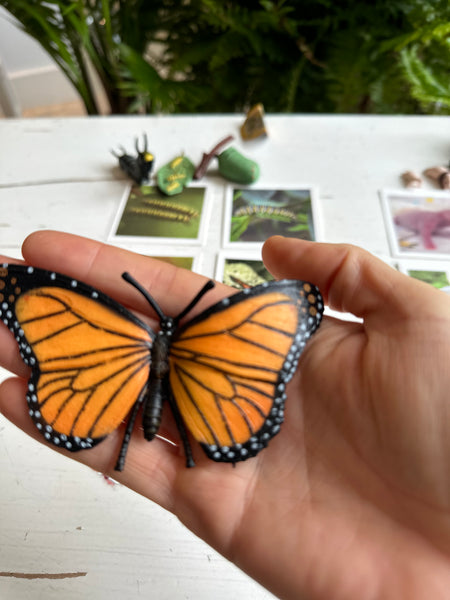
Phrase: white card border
(228, 208)
(155, 251)
(396, 251)
(129, 240)
(424, 265)
(234, 254)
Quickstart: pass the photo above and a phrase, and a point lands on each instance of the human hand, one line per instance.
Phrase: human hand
(351, 498)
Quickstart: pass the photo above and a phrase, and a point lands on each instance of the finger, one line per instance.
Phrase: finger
(9, 354)
(353, 280)
(9, 259)
(10, 358)
(151, 468)
(101, 266)
(156, 469)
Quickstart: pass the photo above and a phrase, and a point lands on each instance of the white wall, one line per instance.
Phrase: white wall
(18, 50)
(35, 77)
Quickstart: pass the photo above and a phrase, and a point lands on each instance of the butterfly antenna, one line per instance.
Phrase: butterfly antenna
(129, 279)
(208, 286)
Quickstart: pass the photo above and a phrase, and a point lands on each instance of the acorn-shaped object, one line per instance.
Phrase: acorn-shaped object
(411, 179)
(441, 175)
(236, 167)
(253, 126)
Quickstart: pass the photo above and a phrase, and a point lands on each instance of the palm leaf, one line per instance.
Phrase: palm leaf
(426, 86)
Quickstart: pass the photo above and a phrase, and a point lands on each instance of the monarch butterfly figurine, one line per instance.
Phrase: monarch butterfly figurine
(94, 364)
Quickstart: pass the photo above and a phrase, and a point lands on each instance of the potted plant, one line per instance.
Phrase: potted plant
(388, 56)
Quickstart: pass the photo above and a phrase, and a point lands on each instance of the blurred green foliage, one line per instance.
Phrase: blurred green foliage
(313, 56)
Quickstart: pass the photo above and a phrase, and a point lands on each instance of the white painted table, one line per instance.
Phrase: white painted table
(57, 516)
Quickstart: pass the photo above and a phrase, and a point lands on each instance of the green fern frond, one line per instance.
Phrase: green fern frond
(427, 87)
(441, 31)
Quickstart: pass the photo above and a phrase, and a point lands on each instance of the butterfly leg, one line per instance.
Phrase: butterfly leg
(120, 464)
(181, 429)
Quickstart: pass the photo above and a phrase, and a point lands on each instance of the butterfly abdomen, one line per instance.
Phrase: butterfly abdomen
(156, 385)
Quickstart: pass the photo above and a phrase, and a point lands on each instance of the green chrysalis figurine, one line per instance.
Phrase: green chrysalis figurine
(236, 167)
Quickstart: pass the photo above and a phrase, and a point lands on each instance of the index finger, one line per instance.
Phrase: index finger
(101, 266)
(353, 280)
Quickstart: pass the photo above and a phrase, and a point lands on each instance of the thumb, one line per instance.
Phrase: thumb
(353, 280)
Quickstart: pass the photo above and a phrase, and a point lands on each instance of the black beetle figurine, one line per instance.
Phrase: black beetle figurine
(139, 167)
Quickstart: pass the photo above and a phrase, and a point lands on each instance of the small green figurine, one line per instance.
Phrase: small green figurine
(173, 177)
(232, 164)
(236, 167)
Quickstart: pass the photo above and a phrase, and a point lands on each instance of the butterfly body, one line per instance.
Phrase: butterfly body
(94, 364)
(156, 392)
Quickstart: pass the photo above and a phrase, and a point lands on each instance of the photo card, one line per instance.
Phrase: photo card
(186, 258)
(241, 269)
(254, 214)
(145, 212)
(417, 222)
(184, 262)
(435, 273)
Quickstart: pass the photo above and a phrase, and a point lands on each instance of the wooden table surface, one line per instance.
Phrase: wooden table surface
(57, 517)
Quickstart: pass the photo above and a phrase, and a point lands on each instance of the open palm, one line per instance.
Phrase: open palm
(352, 499)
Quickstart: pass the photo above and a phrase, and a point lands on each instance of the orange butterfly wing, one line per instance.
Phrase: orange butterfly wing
(229, 366)
(90, 358)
